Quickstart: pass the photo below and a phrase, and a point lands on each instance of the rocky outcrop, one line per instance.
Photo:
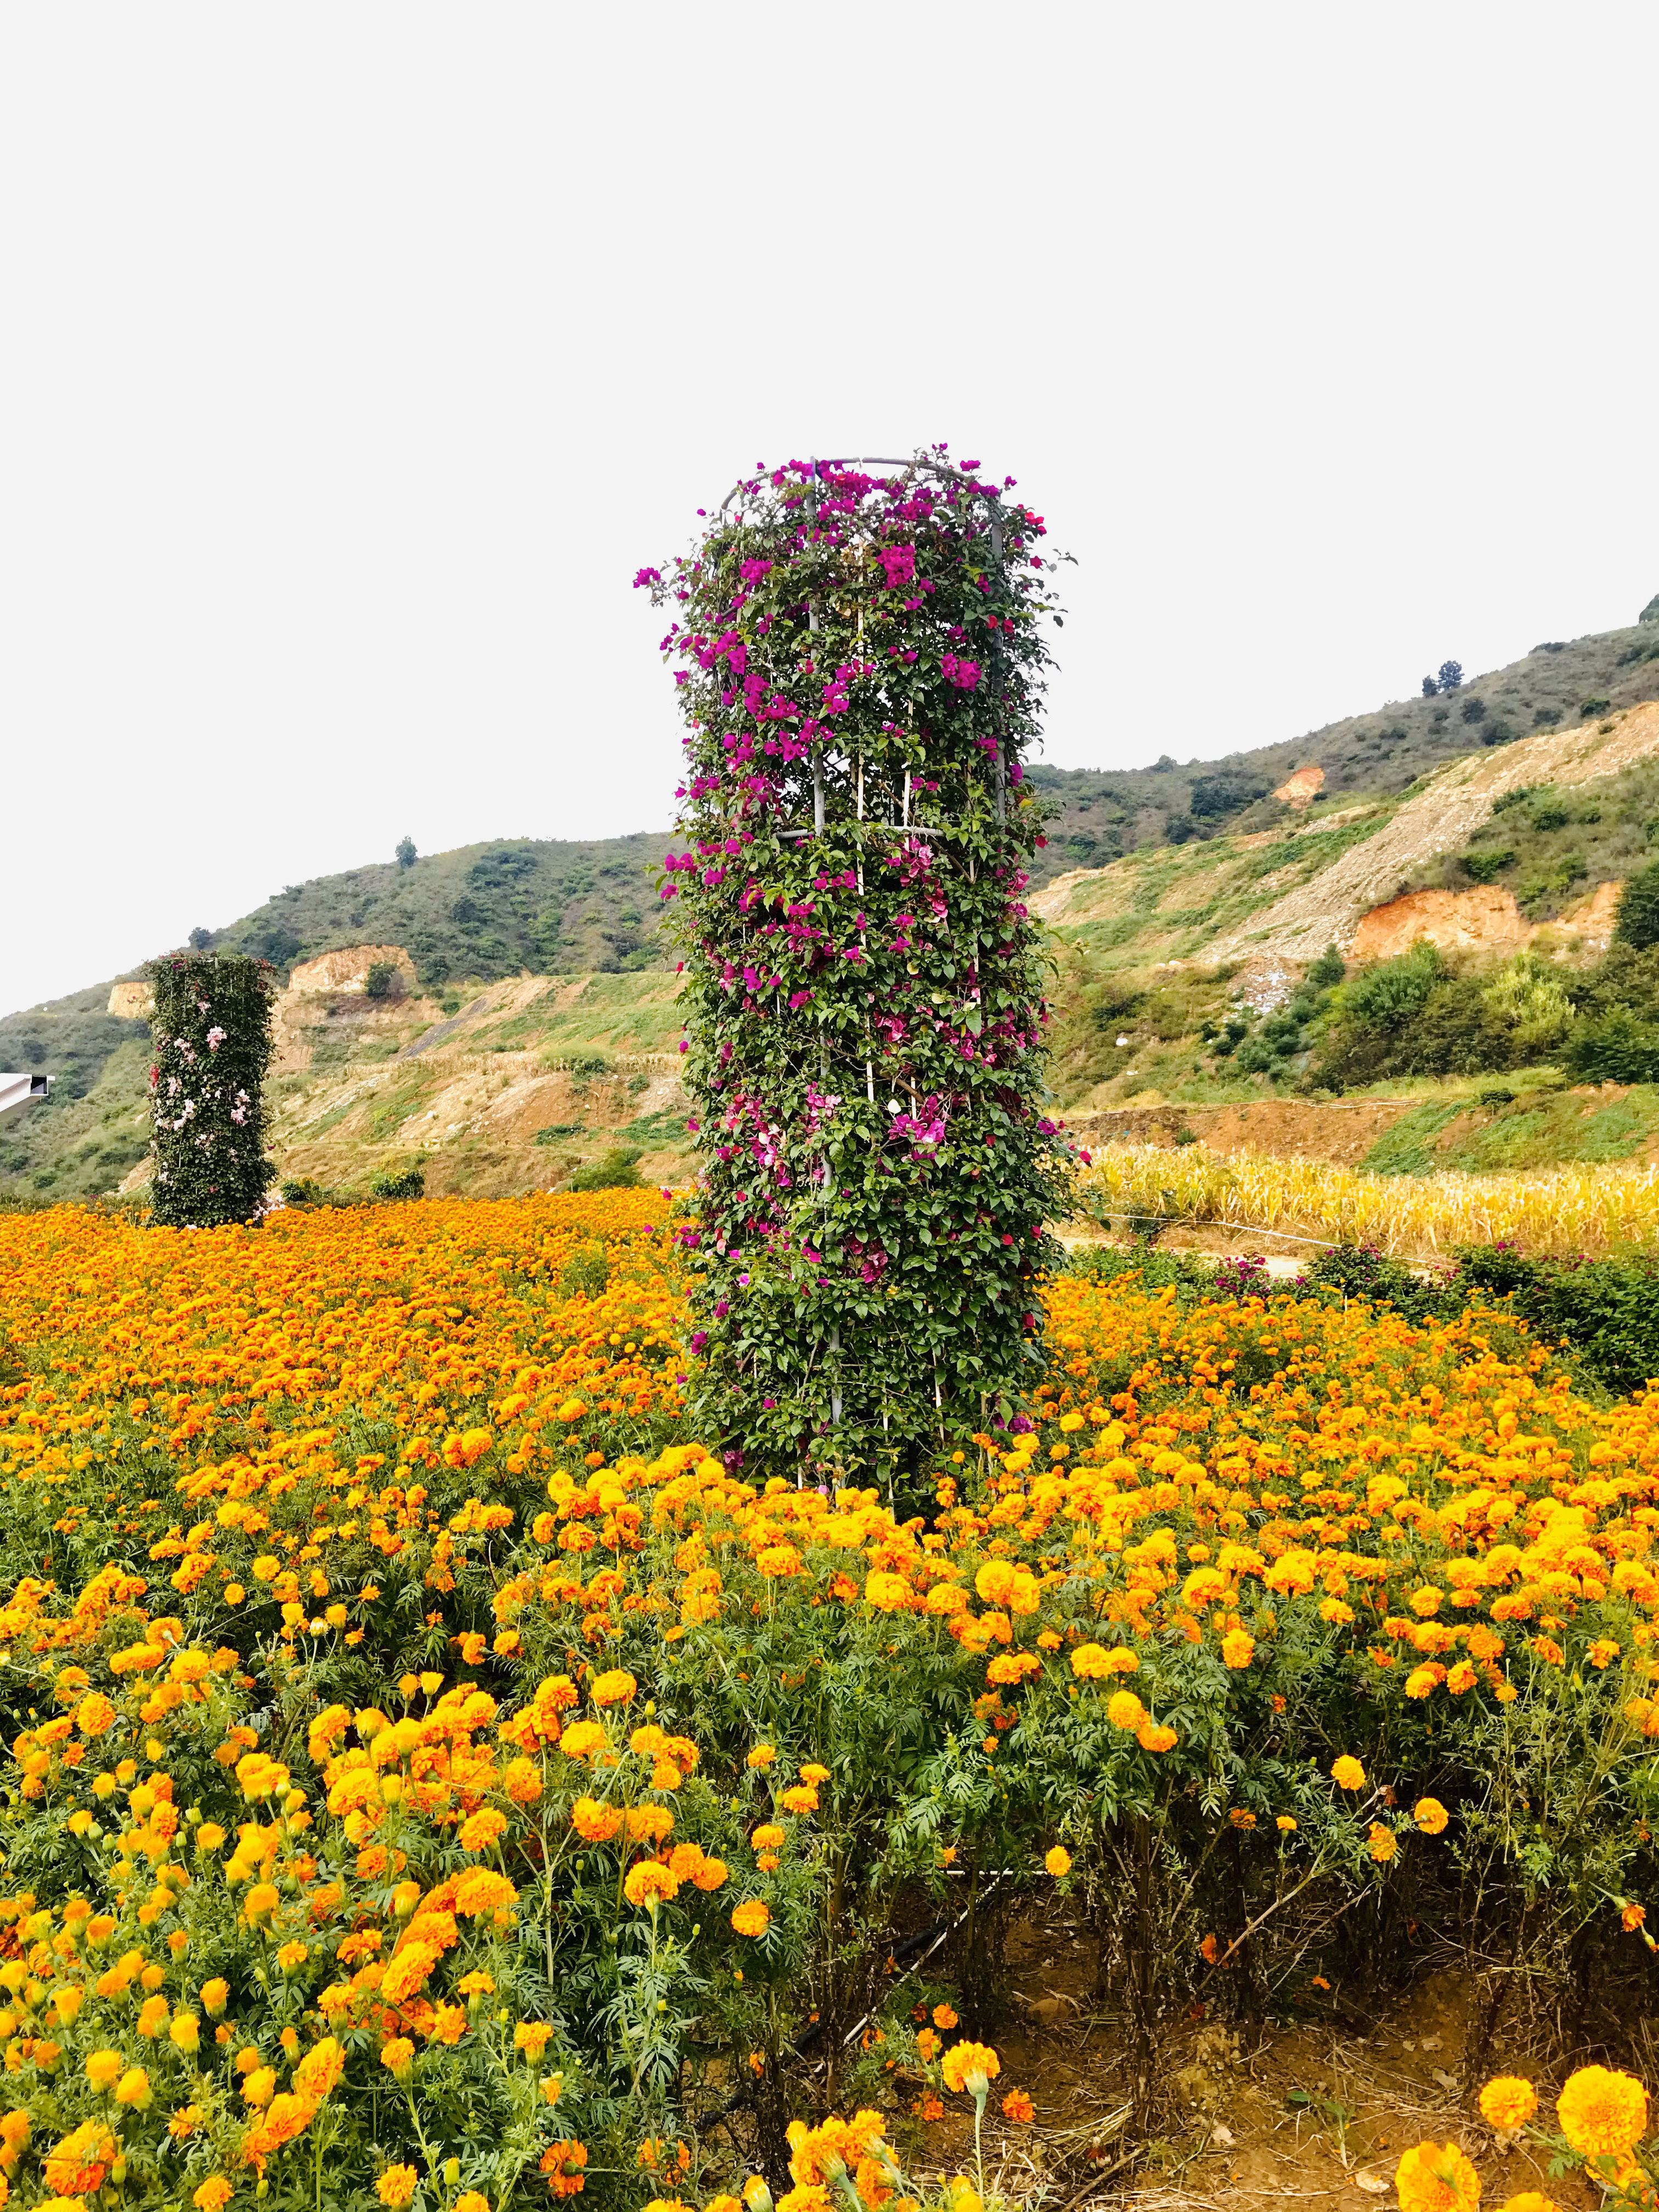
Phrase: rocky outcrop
(132, 1002)
(346, 970)
(1302, 789)
(1484, 920)
(1592, 920)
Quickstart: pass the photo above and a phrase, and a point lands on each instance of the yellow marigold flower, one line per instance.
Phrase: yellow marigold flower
(1437, 2177)
(133, 2088)
(260, 2084)
(397, 2185)
(1058, 1862)
(814, 1774)
(1430, 1816)
(1286, 1824)
(263, 1898)
(761, 1755)
(1125, 1711)
(970, 2066)
(215, 2193)
(1529, 2200)
(1508, 2103)
(184, 2031)
(752, 1917)
(397, 2057)
(215, 1995)
(616, 1686)
(185, 2122)
(650, 1884)
(1348, 1774)
(801, 1799)
(103, 2068)
(531, 2036)
(1382, 1843)
(1092, 1662)
(153, 2017)
(582, 1738)
(209, 1835)
(1603, 2114)
(1237, 1648)
(769, 1837)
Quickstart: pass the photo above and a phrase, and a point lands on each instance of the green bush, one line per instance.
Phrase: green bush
(1606, 1311)
(1637, 923)
(384, 981)
(1616, 1046)
(616, 1169)
(394, 1184)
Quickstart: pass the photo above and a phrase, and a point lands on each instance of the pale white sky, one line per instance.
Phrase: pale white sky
(354, 356)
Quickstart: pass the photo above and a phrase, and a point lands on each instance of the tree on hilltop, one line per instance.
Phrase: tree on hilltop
(407, 856)
(1450, 674)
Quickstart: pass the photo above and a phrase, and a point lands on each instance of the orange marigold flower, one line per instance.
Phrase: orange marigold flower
(397, 2185)
(1237, 1648)
(1603, 2114)
(1632, 1917)
(78, 2165)
(318, 2072)
(481, 1889)
(215, 2193)
(582, 1738)
(483, 1829)
(1508, 2103)
(1125, 1711)
(1430, 1816)
(970, 2066)
(1058, 1862)
(616, 1686)
(397, 2057)
(562, 2164)
(762, 1755)
(752, 1917)
(1017, 2105)
(944, 2019)
(1382, 1843)
(593, 1822)
(1437, 2177)
(650, 1884)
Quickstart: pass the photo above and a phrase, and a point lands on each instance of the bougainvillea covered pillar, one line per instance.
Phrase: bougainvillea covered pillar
(211, 1030)
(859, 663)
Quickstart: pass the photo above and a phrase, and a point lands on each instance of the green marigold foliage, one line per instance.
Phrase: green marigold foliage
(212, 1033)
(861, 666)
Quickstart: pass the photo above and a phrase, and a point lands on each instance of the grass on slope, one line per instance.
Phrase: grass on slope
(1550, 846)
(1547, 1129)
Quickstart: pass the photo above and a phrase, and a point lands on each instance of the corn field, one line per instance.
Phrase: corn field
(1560, 1210)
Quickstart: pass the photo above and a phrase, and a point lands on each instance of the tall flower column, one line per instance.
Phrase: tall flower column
(212, 1029)
(861, 664)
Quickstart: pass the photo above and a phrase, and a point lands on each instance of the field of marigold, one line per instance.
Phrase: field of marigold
(438, 1776)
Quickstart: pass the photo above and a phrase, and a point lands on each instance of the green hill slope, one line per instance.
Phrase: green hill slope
(478, 913)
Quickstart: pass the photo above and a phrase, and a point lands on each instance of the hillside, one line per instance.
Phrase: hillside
(1171, 890)
(478, 913)
(1101, 815)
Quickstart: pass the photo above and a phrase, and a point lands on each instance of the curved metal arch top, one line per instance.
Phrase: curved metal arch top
(879, 461)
